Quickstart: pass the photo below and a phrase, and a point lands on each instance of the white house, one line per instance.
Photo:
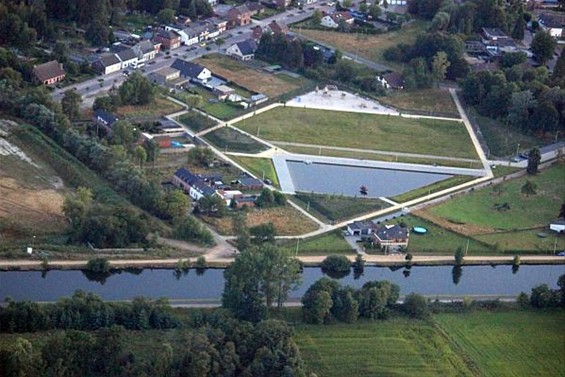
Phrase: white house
(128, 58)
(333, 20)
(558, 225)
(145, 51)
(192, 71)
(107, 63)
(552, 23)
(242, 50)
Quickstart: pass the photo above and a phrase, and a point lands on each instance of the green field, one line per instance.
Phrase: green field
(261, 167)
(230, 140)
(434, 187)
(328, 243)
(520, 343)
(438, 240)
(334, 208)
(196, 122)
(397, 347)
(478, 208)
(354, 130)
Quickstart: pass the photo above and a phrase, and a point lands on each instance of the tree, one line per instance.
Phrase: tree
(440, 64)
(263, 233)
(266, 199)
(543, 45)
(529, 188)
(175, 205)
(257, 278)
(376, 297)
(166, 16)
(459, 256)
(375, 11)
(75, 208)
(534, 158)
(70, 104)
(440, 21)
(519, 26)
(542, 297)
(212, 205)
(137, 91)
(201, 155)
(336, 266)
(189, 229)
(561, 292)
(140, 155)
(416, 306)
(316, 307)
(97, 33)
(316, 17)
(194, 101)
(241, 231)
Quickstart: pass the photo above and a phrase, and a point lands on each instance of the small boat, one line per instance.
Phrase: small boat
(363, 190)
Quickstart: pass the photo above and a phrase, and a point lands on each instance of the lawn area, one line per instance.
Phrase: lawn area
(253, 79)
(427, 100)
(515, 343)
(287, 220)
(219, 109)
(397, 347)
(260, 167)
(368, 46)
(160, 107)
(333, 208)
(438, 240)
(477, 213)
(231, 140)
(434, 187)
(196, 122)
(325, 244)
(363, 131)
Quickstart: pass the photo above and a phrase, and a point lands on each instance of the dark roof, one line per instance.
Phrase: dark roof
(394, 79)
(246, 47)
(48, 70)
(551, 21)
(365, 224)
(249, 182)
(187, 69)
(254, 7)
(108, 118)
(558, 222)
(167, 34)
(242, 9)
(494, 32)
(107, 60)
(195, 181)
(276, 28)
(127, 54)
(391, 233)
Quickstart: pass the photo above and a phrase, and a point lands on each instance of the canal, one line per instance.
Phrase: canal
(433, 281)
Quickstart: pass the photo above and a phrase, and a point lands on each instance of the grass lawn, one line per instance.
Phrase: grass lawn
(525, 240)
(363, 131)
(397, 347)
(160, 107)
(516, 343)
(335, 208)
(430, 189)
(325, 244)
(230, 140)
(219, 109)
(477, 209)
(438, 240)
(429, 100)
(368, 46)
(287, 220)
(259, 167)
(196, 122)
(253, 79)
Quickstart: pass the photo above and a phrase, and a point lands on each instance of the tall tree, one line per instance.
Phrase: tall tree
(70, 104)
(440, 64)
(534, 158)
(543, 45)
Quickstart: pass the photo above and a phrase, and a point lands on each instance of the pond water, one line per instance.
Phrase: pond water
(347, 180)
(430, 281)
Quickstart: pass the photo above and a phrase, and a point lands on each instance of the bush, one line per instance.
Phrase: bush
(99, 265)
(336, 265)
(416, 306)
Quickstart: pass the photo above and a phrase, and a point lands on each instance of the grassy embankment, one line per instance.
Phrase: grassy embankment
(334, 208)
(362, 131)
(260, 167)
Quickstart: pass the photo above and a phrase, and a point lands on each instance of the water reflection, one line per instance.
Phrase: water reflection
(456, 274)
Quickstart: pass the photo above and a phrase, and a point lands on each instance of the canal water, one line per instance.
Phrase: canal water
(347, 180)
(430, 281)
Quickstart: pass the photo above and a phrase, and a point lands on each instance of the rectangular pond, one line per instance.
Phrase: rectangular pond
(347, 180)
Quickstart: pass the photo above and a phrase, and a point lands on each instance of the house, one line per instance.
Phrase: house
(391, 235)
(169, 39)
(223, 91)
(164, 75)
(255, 8)
(248, 183)
(145, 51)
(245, 201)
(107, 63)
(552, 23)
(558, 225)
(256, 33)
(391, 80)
(188, 36)
(192, 184)
(49, 73)
(493, 34)
(192, 71)
(361, 228)
(105, 119)
(128, 58)
(277, 4)
(221, 25)
(257, 99)
(239, 16)
(276, 28)
(242, 50)
(333, 20)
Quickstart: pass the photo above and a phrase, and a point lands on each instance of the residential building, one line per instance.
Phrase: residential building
(245, 201)
(257, 99)
(276, 28)
(223, 91)
(128, 58)
(192, 184)
(391, 235)
(192, 71)
(552, 23)
(558, 225)
(221, 25)
(107, 63)
(49, 73)
(391, 80)
(105, 119)
(169, 39)
(242, 50)
(361, 228)
(239, 16)
(248, 183)
(255, 8)
(163, 75)
(334, 19)
(188, 36)
(145, 51)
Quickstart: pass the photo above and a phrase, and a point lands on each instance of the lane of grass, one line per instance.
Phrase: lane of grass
(363, 131)
(231, 140)
(261, 167)
(328, 243)
(516, 343)
(196, 122)
(431, 100)
(434, 187)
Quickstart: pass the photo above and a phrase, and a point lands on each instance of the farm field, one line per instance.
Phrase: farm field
(336, 207)
(426, 100)
(325, 244)
(259, 167)
(363, 131)
(397, 347)
(253, 79)
(515, 343)
(287, 221)
(368, 46)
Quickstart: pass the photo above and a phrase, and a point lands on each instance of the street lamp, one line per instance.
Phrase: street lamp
(518, 148)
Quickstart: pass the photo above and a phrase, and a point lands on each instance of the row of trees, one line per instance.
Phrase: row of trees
(543, 297)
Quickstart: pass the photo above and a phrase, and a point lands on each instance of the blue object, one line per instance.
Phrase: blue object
(176, 144)
(420, 230)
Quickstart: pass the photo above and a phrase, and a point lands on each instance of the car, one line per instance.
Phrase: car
(126, 73)
(152, 62)
(267, 181)
(202, 44)
(331, 4)
(561, 254)
(523, 155)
